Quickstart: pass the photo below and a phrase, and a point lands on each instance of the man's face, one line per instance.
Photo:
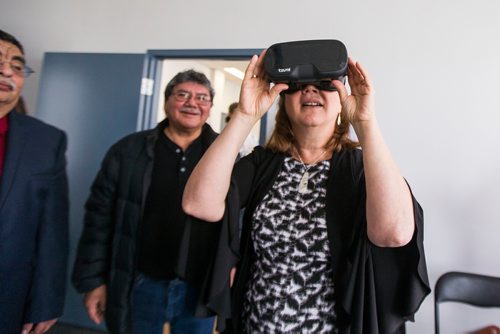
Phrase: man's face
(11, 84)
(186, 109)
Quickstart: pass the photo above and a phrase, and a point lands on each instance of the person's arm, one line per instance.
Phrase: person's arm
(95, 303)
(208, 184)
(389, 208)
(91, 267)
(49, 279)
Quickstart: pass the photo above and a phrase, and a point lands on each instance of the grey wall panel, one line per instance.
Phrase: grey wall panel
(94, 98)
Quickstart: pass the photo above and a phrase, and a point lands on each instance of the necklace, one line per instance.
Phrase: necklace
(304, 181)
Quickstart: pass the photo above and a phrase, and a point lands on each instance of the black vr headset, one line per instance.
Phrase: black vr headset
(314, 62)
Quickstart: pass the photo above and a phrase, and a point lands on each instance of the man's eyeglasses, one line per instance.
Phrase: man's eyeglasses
(184, 96)
(325, 85)
(18, 67)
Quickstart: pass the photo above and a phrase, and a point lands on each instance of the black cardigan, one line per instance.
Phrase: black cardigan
(377, 289)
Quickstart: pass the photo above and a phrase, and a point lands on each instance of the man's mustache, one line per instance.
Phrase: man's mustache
(8, 82)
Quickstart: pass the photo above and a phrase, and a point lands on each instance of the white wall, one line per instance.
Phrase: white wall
(436, 70)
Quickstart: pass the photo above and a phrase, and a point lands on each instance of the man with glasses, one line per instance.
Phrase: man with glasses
(140, 259)
(33, 206)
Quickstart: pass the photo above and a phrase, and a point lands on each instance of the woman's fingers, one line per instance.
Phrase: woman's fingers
(250, 68)
(255, 67)
(341, 89)
(259, 66)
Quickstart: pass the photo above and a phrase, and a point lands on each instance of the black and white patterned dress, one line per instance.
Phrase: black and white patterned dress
(291, 284)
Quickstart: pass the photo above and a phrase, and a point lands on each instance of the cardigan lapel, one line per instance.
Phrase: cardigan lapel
(16, 140)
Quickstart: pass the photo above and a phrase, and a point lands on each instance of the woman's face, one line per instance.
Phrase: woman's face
(312, 107)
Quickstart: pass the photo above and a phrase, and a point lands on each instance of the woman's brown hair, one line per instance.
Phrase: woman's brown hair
(282, 138)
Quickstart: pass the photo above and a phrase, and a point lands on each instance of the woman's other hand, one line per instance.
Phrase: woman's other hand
(257, 95)
(359, 106)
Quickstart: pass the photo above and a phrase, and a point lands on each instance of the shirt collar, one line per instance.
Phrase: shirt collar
(4, 125)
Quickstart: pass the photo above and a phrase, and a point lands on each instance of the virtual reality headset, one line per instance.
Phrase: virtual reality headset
(313, 61)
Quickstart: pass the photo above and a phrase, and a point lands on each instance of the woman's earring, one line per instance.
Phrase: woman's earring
(339, 120)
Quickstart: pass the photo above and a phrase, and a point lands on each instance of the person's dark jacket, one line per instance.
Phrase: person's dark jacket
(377, 289)
(107, 248)
(34, 213)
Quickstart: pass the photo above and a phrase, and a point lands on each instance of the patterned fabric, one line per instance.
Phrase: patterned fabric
(291, 285)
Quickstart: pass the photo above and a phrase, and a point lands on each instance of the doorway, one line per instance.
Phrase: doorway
(224, 68)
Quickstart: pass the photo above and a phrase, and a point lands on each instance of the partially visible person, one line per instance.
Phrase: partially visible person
(250, 141)
(140, 260)
(332, 238)
(33, 207)
(21, 106)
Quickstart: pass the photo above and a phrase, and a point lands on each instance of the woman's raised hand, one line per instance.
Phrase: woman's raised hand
(359, 105)
(257, 95)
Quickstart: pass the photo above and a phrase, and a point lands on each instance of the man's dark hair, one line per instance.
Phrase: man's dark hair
(4, 36)
(189, 76)
(231, 109)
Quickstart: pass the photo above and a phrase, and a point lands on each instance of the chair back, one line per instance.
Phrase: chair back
(473, 289)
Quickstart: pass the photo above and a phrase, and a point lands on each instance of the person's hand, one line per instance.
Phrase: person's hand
(257, 95)
(38, 328)
(359, 105)
(95, 303)
(231, 276)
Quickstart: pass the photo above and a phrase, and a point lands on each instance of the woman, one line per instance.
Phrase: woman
(332, 238)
